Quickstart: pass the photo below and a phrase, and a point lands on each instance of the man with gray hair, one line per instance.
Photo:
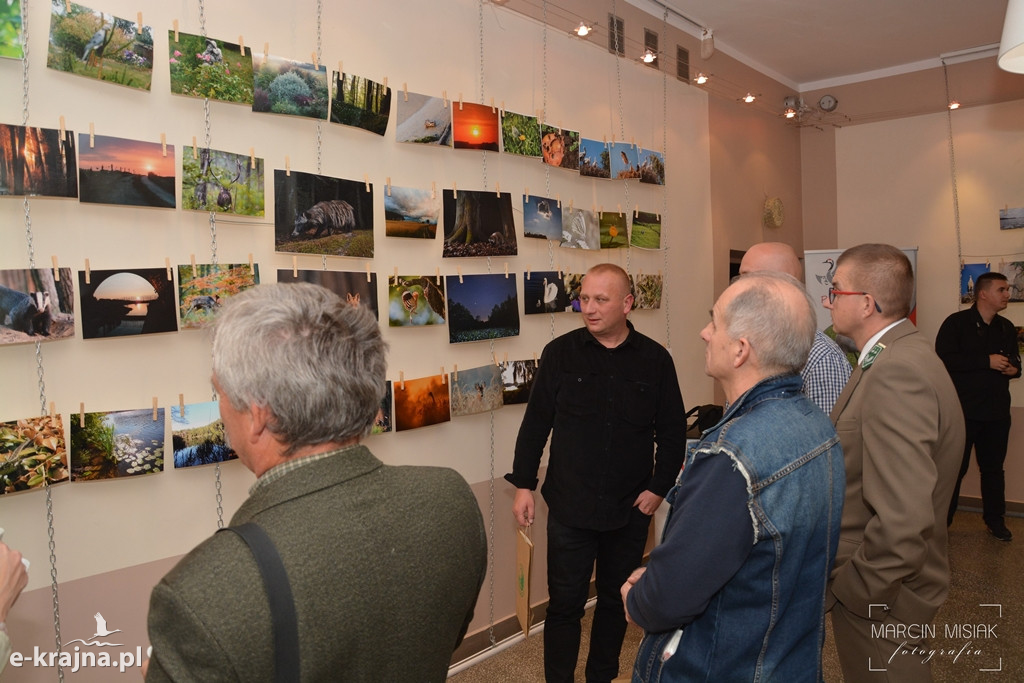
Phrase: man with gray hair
(384, 564)
(755, 512)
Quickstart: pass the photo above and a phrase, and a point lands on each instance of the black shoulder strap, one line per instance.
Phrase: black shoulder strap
(279, 593)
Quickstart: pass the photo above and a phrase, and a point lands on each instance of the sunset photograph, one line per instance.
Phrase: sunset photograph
(475, 126)
(122, 171)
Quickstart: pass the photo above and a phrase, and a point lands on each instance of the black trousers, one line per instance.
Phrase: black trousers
(572, 556)
(988, 438)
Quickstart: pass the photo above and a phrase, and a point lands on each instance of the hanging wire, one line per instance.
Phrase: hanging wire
(952, 173)
(547, 168)
(664, 196)
(319, 122)
(622, 125)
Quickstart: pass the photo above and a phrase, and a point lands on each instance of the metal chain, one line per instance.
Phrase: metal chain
(622, 125)
(952, 170)
(219, 497)
(319, 122)
(664, 197)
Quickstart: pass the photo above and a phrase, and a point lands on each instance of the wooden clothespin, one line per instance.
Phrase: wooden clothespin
(401, 379)
(444, 376)
(92, 135)
(163, 143)
(252, 158)
(56, 268)
(366, 180)
(295, 266)
(181, 404)
(455, 372)
(405, 91)
(195, 149)
(176, 30)
(81, 415)
(287, 166)
(459, 270)
(170, 273)
(387, 186)
(241, 45)
(192, 261)
(87, 275)
(368, 274)
(156, 410)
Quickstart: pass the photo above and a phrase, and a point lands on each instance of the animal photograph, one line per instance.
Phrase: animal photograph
(646, 291)
(559, 147)
(284, 86)
(120, 443)
(10, 29)
(482, 307)
(32, 453)
(652, 167)
(354, 287)
(204, 287)
(476, 390)
(613, 230)
(421, 402)
(415, 300)
(36, 305)
(37, 161)
(360, 102)
(411, 212)
(474, 126)
(573, 283)
(122, 303)
(580, 229)
(212, 180)
(98, 45)
(520, 134)
(478, 224)
(646, 231)
(517, 380)
(385, 417)
(318, 214)
(197, 435)
(544, 292)
(207, 67)
(423, 120)
(625, 160)
(542, 218)
(125, 172)
(595, 159)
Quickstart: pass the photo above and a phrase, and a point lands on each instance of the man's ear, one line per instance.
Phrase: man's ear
(259, 421)
(741, 352)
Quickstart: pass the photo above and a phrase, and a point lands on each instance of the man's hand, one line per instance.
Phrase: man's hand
(1001, 363)
(648, 502)
(522, 507)
(628, 586)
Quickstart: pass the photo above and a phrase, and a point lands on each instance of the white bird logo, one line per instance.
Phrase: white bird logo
(101, 627)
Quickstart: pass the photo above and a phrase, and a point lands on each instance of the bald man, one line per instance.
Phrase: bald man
(827, 369)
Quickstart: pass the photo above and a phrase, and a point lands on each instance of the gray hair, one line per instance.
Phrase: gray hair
(316, 362)
(780, 334)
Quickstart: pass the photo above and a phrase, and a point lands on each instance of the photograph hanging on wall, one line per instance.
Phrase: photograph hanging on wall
(36, 305)
(197, 435)
(474, 126)
(204, 287)
(595, 160)
(318, 214)
(208, 67)
(421, 402)
(125, 172)
(517, 380)
(520, 134)
(646, 230)
(969, 273)
(573, 282)
(120, 303)
(359, 289)
(646, 291)
(476, 390)
(482, 307)
(1011, 219)
(120, 443)
(284, 86)
(478, 224)
(613, 229)
(411, 212)
(542, 218)
(37, 161)
(580, 229)
(415, 300)
(10, 29)
(559, 147)
(212, 180)
(360, 102)
(32, 452)
(423, 120)
(652, 167)
(384, 418)
(625, 160)
(544, 292)
(1014, 272)
(98, 45)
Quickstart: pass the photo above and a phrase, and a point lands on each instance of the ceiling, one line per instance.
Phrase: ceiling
(811, 44)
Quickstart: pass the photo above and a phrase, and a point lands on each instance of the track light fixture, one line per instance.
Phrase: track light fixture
(701, 78)
(954, 104)
(748, 98)
(583, 29)
(648, 56)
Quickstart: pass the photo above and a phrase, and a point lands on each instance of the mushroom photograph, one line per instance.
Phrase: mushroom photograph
(118, 303)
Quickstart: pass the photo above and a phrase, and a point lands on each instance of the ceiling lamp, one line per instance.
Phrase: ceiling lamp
(748, 98)
(701, 78)
(649, 56)
(789, 113)
(1011, 48)
(582, 30)
(954, 105)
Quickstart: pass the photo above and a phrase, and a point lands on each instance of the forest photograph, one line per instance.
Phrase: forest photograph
(613, 230)
(421, 402)
(646, 233)
(423, 120)
(520, 134)
(382, 423)
(652, 167)
(478, 224)
(357, 288)
(474, 126)
(481, 307)
(10, 29)
(542, 217)
(580, 229)
(32, 453)
(197, 435)
(360, 102)
(98, 45)
(517, 380)
(120, 443)
(283, 86)
(646, 291)
(204, 287)
(476, 390)
(544, 292)
(36, 305)
(559, 147)
(595, 159)
(415, 300)
(411, 212)
(318, 214)
(212, 180)
(207, 67)
(37, 161)
(625, 160)
(120, 303)
(125, 172)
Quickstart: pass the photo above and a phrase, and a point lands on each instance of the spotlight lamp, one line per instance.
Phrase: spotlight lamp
(648, 56)
(583, 29)
(954, 104)
(749, 97)
(789, 113)
(701, 78)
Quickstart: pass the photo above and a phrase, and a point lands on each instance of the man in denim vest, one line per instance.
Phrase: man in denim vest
(736, 589)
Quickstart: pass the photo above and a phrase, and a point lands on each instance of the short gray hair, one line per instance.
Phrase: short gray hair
(780, 334)
(315, 361)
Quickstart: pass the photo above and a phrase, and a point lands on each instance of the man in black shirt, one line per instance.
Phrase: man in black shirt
(979, 348)
(606, 394)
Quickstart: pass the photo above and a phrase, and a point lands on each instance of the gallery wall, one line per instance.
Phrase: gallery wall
(113, 538)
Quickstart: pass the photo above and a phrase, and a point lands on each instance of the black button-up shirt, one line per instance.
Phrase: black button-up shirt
(605, 410)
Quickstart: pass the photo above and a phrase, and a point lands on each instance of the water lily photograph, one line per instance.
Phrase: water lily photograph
(122, 443)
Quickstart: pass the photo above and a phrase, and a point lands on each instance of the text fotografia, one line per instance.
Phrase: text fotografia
(77, 659)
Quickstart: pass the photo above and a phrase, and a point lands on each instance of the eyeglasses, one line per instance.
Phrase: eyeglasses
(833, 293)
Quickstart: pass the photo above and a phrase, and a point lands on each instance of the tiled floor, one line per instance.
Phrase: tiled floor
(987, 579)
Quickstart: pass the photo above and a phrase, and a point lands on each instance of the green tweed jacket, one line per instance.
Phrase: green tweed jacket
(385, 564)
